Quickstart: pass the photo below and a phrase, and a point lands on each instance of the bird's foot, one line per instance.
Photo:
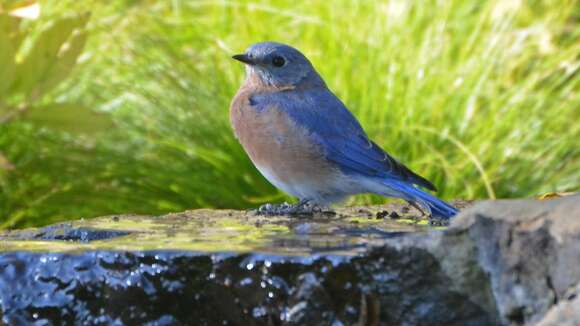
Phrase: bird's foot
(433, 221)
(438, 221)
(302, 208)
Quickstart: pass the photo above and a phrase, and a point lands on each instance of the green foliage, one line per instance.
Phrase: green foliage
(68, 117)
(33, 65)
(479, 97)
(51, 57)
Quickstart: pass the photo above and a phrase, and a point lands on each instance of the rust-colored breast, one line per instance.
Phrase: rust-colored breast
(276, 144)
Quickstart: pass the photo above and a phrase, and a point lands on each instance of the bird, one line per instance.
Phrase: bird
(304, 141)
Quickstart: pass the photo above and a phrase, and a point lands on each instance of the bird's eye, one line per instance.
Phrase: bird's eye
(278, 61)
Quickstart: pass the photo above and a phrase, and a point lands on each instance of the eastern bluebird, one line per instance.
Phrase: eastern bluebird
(304, 140)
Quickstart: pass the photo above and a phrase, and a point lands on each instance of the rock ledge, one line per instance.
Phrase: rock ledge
(500, 262)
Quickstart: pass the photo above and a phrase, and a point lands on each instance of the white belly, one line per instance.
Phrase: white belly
(322, 191)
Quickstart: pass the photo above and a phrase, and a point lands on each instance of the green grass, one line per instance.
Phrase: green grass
(480, 97)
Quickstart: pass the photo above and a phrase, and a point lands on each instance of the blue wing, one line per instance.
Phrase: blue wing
(338, 132)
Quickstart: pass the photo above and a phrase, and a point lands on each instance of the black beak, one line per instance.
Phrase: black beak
(244, 58)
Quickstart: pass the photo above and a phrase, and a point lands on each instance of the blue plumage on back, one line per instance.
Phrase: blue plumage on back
(336, 130)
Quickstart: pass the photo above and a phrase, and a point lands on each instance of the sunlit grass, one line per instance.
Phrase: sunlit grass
(479, 97)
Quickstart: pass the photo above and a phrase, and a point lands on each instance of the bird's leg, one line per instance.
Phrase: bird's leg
(305, 206)
(300, 208)
(417, 207)
(301, 205)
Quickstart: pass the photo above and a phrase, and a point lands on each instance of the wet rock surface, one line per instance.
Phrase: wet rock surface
(501, 262)
(531, 252)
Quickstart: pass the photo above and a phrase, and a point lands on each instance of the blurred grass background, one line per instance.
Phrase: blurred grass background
(480, 97)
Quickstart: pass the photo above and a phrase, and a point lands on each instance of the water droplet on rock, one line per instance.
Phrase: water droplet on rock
(258, 312)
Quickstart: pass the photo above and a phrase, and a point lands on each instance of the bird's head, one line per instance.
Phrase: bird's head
(279, 65)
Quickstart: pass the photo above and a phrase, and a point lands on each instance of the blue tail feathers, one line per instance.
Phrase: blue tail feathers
(436, 206)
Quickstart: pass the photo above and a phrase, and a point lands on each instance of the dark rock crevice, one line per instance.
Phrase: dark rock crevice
(396, 287)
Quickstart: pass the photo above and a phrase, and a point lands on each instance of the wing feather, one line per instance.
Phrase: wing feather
(338, 132)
